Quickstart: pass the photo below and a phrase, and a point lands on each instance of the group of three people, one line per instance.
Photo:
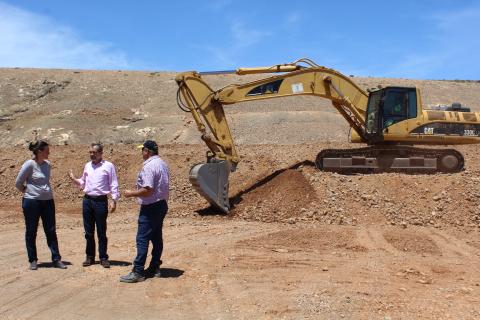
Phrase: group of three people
(99, 179)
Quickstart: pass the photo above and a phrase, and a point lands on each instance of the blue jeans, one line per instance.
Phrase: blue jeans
(95, 212)
(150, 223)
(33, 210)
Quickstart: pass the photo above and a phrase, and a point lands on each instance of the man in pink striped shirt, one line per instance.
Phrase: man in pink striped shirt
(99, 179)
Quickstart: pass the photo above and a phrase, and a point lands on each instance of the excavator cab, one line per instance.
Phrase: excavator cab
(389, 106)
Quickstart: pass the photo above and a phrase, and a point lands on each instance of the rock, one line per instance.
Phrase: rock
(466, 290)
(425, 281)
(366, 197)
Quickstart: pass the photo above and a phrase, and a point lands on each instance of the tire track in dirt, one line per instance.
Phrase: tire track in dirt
(451, 246)
(26, 297)
(372, 238)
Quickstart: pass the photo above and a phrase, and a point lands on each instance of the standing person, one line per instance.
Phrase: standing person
(33, 181)
(99, 179)
(152, 193)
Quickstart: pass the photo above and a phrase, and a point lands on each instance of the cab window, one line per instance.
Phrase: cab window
(395, 107)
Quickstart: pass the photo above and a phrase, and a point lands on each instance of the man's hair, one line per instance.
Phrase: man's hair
(97, 145)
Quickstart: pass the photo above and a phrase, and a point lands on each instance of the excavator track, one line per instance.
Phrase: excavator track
(390, 158)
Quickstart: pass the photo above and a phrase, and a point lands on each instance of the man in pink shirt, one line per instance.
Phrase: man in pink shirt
(97, 181)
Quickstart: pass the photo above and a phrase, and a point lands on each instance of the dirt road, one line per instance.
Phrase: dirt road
(299, 244)
(218, 268)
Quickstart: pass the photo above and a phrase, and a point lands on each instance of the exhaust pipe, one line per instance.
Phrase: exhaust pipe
(211, 181)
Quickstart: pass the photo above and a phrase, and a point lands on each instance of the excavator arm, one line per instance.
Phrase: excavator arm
(206, 105)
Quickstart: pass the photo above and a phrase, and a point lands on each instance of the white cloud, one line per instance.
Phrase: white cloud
(244, 37)
(32, 40)
(240, 41)
(218, 5)
(453, 49)
(293, 17)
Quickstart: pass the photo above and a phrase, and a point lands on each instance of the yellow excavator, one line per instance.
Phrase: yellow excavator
(389, 120)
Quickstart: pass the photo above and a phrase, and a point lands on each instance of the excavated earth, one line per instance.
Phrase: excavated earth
(297, 244)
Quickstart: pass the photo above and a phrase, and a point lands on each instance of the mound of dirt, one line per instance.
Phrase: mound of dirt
(411, 241)
(318, 239)
(278, 197)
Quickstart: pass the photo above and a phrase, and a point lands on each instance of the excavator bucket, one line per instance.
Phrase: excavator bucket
(211, 181)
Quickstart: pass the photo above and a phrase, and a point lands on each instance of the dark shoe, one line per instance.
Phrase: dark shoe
(33, 265)
(153, 272)
(88, 261)
(132, 277)
(105, 263)
(59, 264)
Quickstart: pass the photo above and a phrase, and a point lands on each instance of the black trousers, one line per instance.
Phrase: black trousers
(95, 212)
(33, 210)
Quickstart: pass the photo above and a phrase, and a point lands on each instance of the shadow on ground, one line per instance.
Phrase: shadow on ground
(50, 264)
(171, 272)
(119, 263)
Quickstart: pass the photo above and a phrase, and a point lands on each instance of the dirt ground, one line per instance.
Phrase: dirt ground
(298, 244)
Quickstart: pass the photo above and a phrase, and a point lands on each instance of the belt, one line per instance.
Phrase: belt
(98, 198)
(154, 203)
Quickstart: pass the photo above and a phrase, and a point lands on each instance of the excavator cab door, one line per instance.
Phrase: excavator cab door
(387, 107)
(394, 107)
(374, 116)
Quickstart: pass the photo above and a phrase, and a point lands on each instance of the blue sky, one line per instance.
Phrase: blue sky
(423, 39)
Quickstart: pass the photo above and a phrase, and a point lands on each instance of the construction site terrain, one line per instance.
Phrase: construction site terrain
(297, 244)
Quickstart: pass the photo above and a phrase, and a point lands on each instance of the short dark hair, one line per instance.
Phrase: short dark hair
(98, 145)
(36, 146)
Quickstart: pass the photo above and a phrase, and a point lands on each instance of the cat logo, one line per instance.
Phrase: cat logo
(428, 130)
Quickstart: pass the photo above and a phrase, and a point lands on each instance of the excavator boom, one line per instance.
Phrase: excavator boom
(206, 105)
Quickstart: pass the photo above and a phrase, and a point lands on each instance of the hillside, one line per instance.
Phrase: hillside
(78, 107)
